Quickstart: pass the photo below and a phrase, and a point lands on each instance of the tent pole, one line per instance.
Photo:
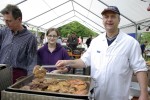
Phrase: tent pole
(120, 13)
(21, 2)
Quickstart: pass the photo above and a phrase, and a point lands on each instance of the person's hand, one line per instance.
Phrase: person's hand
(56, 72)
(144, 97)
(61, 64)
(36, 67)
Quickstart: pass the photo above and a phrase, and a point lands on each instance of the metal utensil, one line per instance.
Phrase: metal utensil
(48, 66)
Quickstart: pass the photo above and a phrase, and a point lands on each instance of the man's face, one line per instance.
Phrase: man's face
(73, 35)
(111, 20)
(11, 22)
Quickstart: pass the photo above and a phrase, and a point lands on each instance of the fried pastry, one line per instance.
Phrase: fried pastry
(80, 87)
(39, 72)
(82, 92)
(53, 88)
(25, 87)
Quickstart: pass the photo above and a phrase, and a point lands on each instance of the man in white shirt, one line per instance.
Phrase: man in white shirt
(114, 57)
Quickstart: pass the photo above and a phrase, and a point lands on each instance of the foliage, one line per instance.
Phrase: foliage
(75, 27)
(39, 33)
(32, 31)
(145, 36)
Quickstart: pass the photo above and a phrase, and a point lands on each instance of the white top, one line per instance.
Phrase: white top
(112, 66)
(59, 41)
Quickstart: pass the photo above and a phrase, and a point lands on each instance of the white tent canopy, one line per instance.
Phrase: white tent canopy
(43, 14)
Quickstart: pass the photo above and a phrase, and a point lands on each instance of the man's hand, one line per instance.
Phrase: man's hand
(61, 64)
(56, 72)
(144, 97)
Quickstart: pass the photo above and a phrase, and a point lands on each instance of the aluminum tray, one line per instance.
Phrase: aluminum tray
(6, 95)
(15, 87)
(5, 76)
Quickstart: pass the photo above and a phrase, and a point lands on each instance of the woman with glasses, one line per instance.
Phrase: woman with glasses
(51, 52)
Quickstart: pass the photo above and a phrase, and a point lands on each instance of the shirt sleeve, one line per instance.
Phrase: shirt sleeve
(136, 60)
(32, 54)
(1, 38)
(2, 33)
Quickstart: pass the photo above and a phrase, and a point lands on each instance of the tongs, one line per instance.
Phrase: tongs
(48, 66)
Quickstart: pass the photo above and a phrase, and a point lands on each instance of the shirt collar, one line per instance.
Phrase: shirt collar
(19, 32)
(117, 38)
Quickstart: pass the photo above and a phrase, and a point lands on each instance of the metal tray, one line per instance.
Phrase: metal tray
(5, 76)
(15, 87)
(6, 95)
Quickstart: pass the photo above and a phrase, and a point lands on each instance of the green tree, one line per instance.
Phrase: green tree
(145, 36)
(76, 27)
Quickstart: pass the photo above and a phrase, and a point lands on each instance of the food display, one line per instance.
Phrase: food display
(52, 87)
(69, 86)
(40, 83)
(49, 86)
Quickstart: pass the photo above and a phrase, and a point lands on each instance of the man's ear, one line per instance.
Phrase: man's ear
(119, 19)
(19, 19)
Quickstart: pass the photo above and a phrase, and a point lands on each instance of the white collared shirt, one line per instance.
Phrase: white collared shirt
(112, 66)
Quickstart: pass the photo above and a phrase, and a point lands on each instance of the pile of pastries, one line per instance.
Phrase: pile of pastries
(70, 86)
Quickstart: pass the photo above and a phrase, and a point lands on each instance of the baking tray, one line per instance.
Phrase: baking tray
(6, 95)
(15, 87)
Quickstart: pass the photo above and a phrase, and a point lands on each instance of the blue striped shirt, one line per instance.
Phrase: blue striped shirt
(19, 50)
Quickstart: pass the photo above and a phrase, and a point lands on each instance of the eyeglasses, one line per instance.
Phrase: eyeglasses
(54, 36)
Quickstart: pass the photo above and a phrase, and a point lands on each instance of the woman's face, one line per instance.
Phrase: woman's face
(52, 37)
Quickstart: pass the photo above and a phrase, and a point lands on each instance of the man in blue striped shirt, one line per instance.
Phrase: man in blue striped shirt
(18, 45)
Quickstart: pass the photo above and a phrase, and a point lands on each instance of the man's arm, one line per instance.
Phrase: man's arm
(2, 33)
(143, 82)
(78, 63)
(32, 54)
